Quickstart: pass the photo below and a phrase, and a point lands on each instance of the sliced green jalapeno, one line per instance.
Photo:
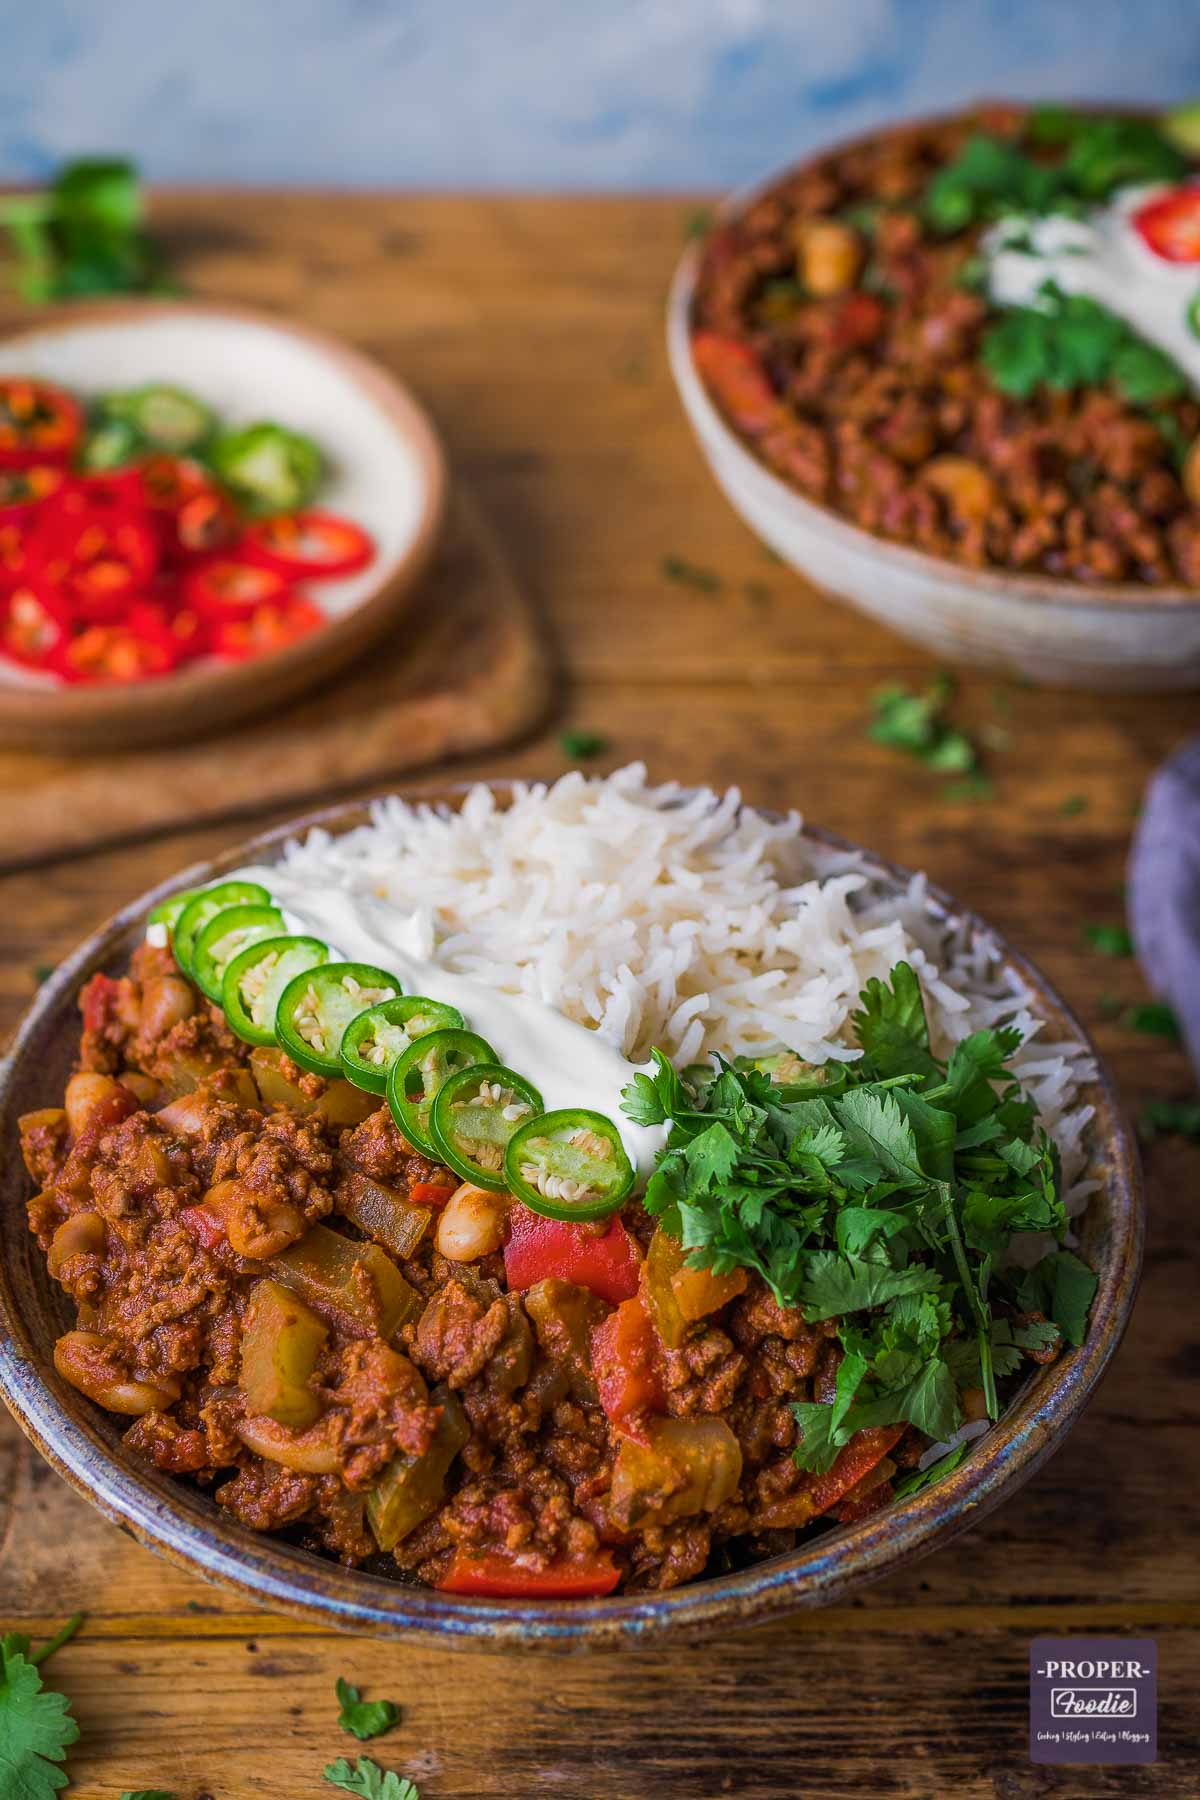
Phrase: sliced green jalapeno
(205, 905)
(378, 1036)
(266, 467)
(167, 418)
(225, 935)
(256, 978)
(316, 1007)
(168, 912)
(568, 1165)
(416, 1076)
(474, 1114)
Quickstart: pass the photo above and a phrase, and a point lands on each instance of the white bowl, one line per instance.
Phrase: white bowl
(1116, 637)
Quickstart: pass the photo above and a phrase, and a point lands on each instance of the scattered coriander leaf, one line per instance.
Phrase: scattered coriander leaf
(369, 1780)
(971, 787)
(581, 745)
(1110, 1005)
(1073, 805)
(42, 972)
(36, 1727)
(689, 574)
(1156, 1020)
(364, 1718)
(1171, 1118)
(146, 1794)
(1108, 940)
(917, 725)
(699, 222)
(758, 593)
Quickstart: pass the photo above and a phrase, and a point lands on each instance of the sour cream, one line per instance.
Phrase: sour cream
(1105, 258)
(570, 1064)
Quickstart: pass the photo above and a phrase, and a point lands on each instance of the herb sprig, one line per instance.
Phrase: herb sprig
(879, 1192)
(83, 235)
(1069, 341)
(365, 1719)
(36, 1727)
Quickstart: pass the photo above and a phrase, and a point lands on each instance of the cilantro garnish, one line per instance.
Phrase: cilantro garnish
(880, 1192)
(699, 222)
(1073, 805)
(992, 176)
(919, 1478)
(364, 1718)
(1171, 1118)
(1156, 1020)
(83, 235)
(1069, 341)
(369, 1780)
(917, 724)
(689, 574)
(36, 1727)
(580, 745)
(1108, 940)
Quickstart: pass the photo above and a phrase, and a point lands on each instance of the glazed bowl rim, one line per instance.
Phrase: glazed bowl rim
(1134, 598)
(180, 1522)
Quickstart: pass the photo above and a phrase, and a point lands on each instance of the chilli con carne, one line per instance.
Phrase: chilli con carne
(846, 324)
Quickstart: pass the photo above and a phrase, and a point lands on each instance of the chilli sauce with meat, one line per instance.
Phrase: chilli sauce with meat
(978, 336)
(337, 1263)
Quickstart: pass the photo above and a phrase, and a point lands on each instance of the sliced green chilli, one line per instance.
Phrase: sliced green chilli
(416, 1076)
(168, 912)
(474, 1114)
(316, 1007)
(167, 418)
(378, 1036)
(226, 934)
(568, 1165)
(256, 978)
(1192, 315)
(204, 906)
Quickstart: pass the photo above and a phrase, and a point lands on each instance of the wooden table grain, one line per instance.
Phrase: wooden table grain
(533, 330)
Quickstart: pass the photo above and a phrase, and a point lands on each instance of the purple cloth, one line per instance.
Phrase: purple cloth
(1164, 890)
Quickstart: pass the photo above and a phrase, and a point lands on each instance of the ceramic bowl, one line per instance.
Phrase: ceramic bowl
(83, 1442)
(1116, 637)
(386, 472)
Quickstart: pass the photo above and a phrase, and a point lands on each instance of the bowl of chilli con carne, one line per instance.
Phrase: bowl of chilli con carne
(951, 372)
(555, 1214)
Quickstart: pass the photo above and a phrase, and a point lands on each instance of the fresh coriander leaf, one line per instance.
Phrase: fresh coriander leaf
(364, 1718)
(1063, 1287)
(1144, 373)
(971, 787)
(832, 1284)
(699, 222)
(1108, 940)
(1171, 1118)
(147, 1794)
(1037, 1334)
(42, 972)
(920, 1478)
(581, 745)
(857, 1227)
(36, 1727)
(689, 574)
(1156, 1020)
(891, 1025)
(817, 1446)
(712, 1157)
(1073, 805)
(917, 724)
(653, 1099)
(876, 1128)
(369, 1780)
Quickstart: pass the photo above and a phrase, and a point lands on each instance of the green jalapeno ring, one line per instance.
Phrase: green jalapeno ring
(455, 1096)
(288, 957)
(417, 1074)
(577, 1165)
(205, 905)
(169, 911)
(391, 1019)
(226, 934)
(316, 1007)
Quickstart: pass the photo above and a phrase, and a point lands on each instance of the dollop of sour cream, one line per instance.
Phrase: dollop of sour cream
(1106, 258)
(569, 1064)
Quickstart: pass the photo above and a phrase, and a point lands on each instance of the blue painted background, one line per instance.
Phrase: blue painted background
(538, 93)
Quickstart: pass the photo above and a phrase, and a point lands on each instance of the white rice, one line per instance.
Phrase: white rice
(681, 919)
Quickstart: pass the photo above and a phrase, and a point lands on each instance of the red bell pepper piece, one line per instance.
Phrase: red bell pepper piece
(627, 1365)
(1170, 224)
(502, 1576)
(858, 1458)
(538, 1248)
(737, 379)
(430, 1193)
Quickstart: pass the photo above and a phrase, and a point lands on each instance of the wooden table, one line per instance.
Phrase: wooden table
(533, 328)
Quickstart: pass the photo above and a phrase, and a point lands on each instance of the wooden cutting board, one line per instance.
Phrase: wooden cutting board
(467, 670)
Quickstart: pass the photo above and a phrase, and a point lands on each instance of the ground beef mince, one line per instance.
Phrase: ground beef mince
(257, 1261)
(840, 334)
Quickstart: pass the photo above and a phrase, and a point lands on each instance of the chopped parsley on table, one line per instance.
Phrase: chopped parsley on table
(1109, 940)
(369, 1780)
(881, 1192)
(581, 745)
(918, 725)
(364, 1718)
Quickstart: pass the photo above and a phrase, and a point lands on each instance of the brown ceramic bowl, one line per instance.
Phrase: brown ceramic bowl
(83, 1442)
(386, 471)
(1115, 637)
